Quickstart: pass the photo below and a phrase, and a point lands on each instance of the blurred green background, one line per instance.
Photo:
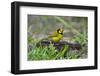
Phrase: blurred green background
(75, 31)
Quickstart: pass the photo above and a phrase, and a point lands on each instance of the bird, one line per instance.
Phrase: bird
(57, 35)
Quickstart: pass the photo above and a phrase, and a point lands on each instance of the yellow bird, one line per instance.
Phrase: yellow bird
(57, 35)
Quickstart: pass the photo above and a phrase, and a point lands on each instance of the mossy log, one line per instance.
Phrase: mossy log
(59, 45)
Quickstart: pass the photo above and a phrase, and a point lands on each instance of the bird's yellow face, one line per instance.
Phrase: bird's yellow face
(60, 31)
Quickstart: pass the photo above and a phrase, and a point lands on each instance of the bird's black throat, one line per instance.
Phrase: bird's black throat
(61, 33)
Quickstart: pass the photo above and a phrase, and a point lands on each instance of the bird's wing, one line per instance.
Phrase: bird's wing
(54, 34)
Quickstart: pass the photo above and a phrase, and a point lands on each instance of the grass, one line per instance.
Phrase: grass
(47, 53)
(51, 53)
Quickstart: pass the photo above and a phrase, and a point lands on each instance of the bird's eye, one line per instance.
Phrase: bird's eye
(58, 30)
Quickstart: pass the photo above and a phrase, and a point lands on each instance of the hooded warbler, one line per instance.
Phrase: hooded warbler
(57, 35)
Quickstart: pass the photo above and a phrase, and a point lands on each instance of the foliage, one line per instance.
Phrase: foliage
(81, 38)
(47, 53)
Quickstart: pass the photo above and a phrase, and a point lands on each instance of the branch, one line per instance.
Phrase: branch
(60, 44)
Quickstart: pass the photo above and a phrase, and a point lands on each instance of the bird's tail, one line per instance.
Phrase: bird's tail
(49, 36)
(43, 39)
